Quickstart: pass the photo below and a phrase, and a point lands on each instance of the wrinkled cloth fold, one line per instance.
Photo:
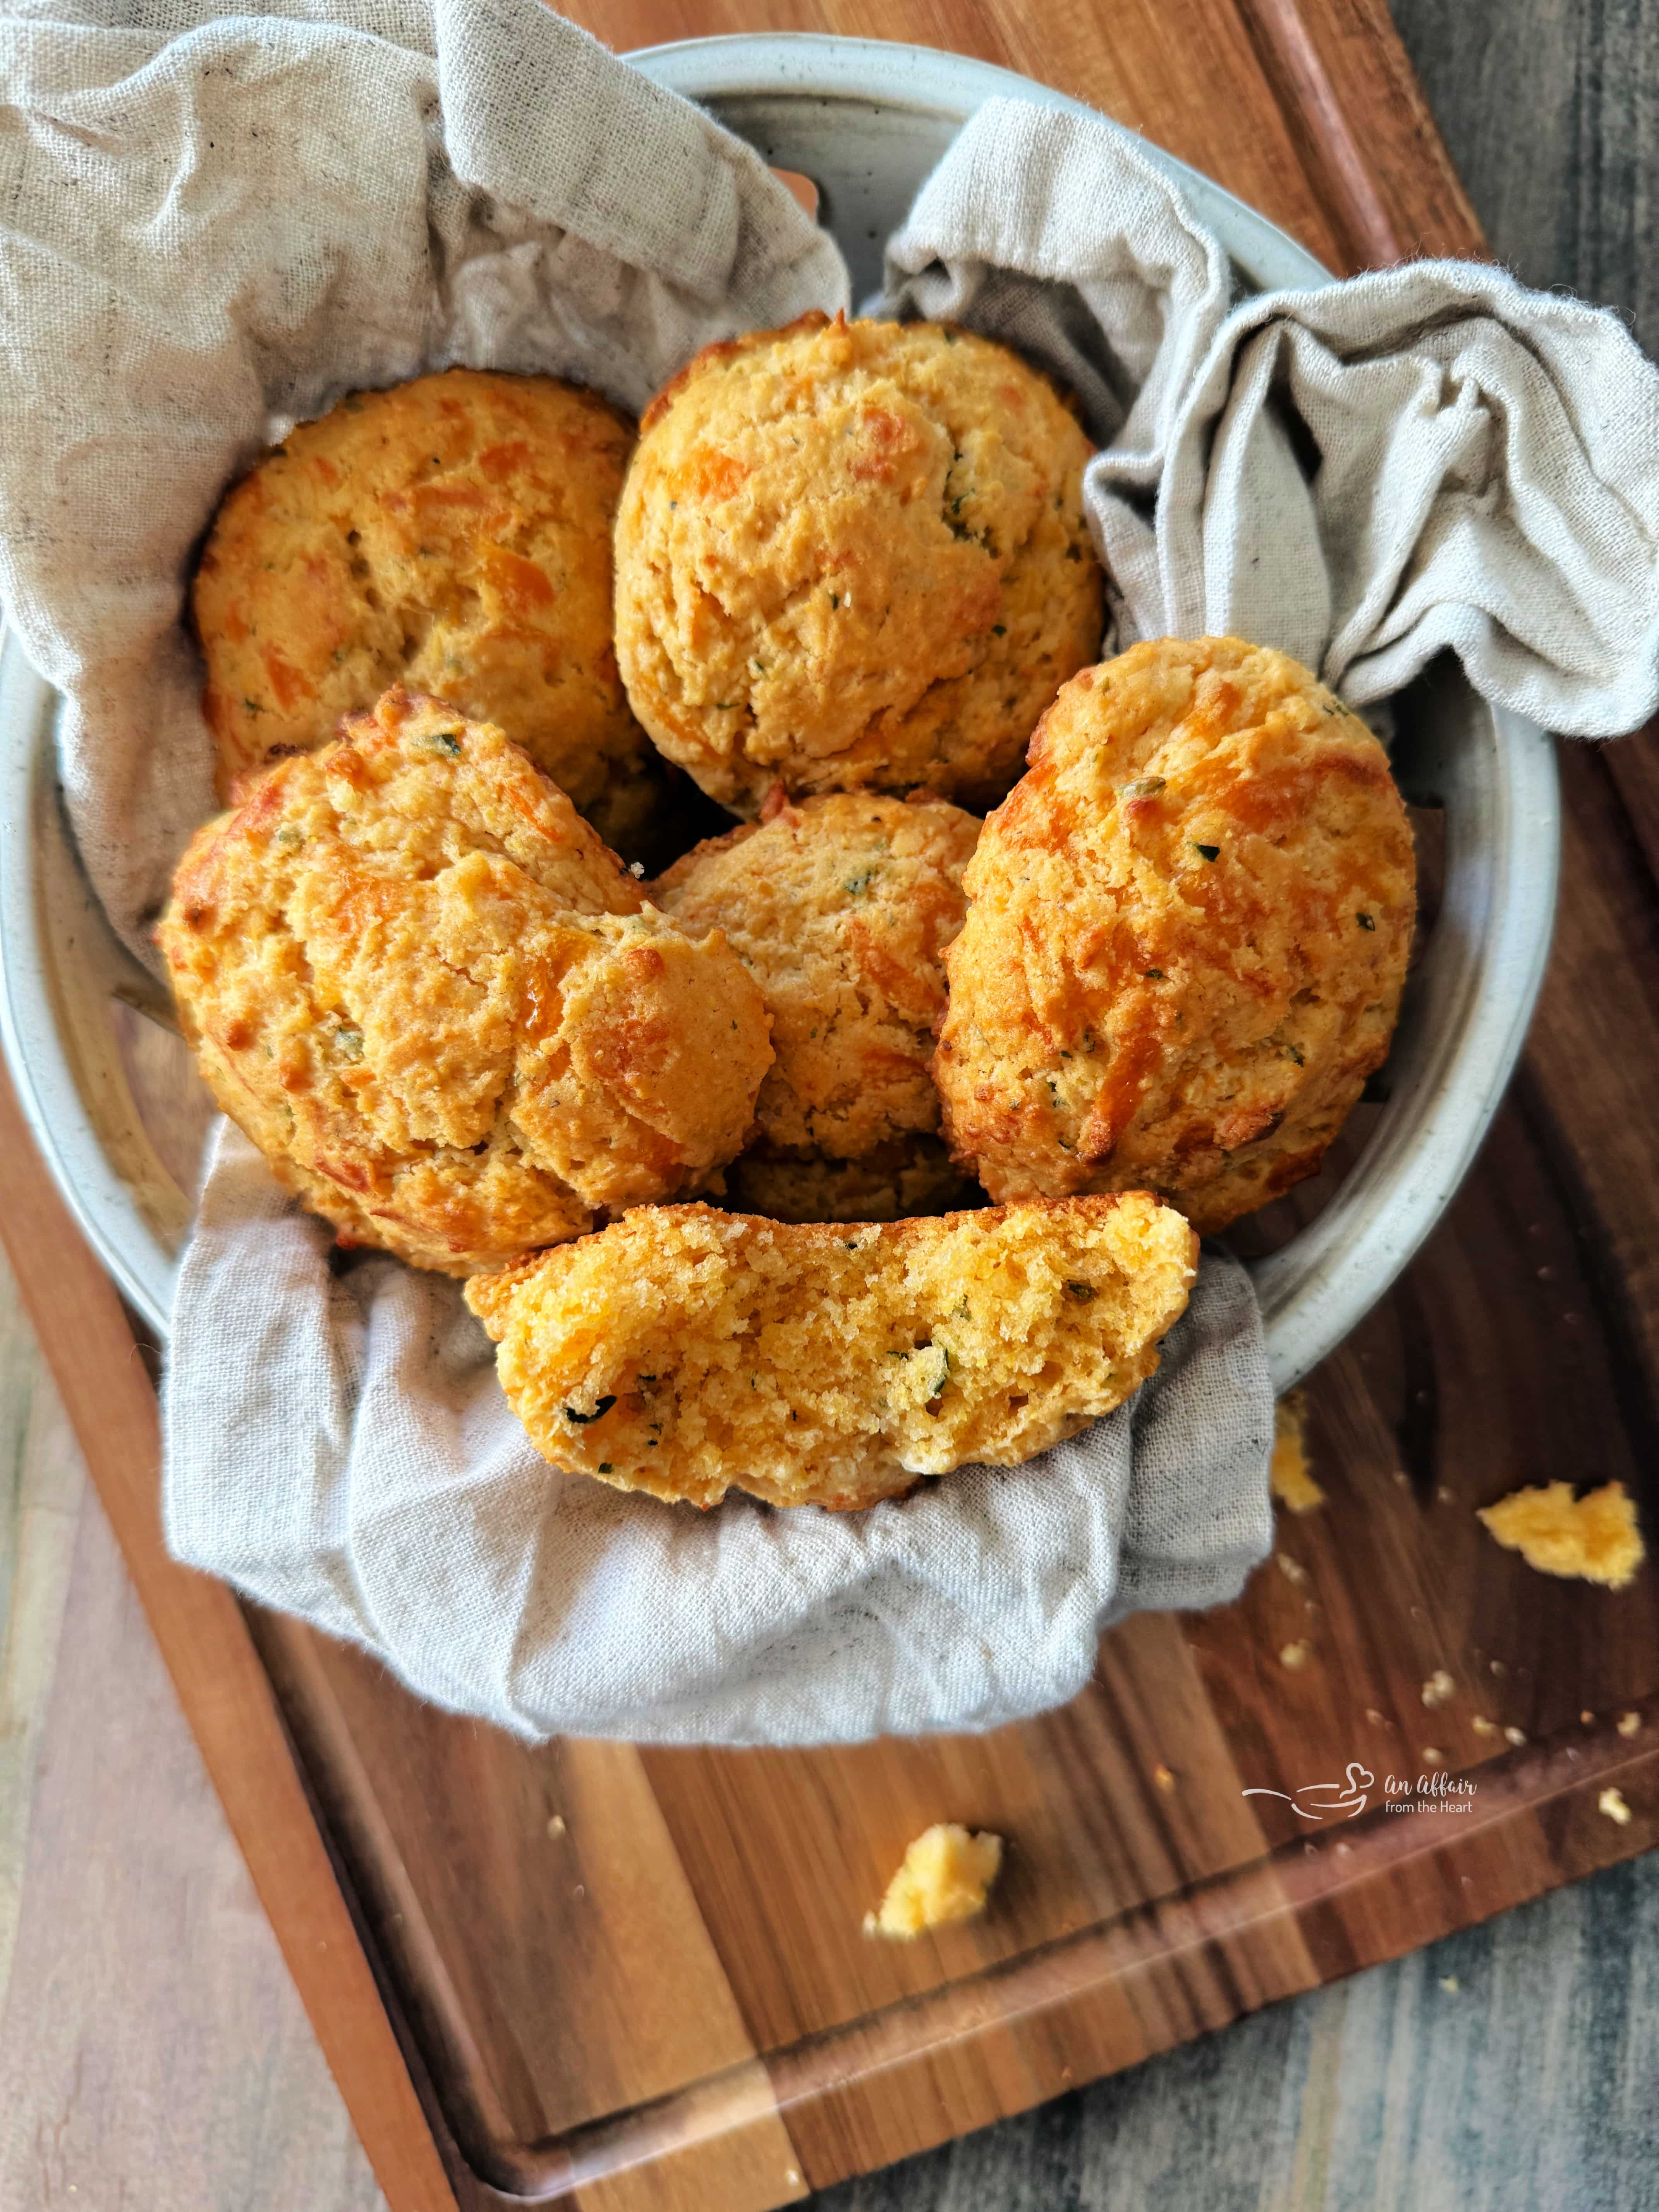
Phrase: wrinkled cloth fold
(1421, 460)
(211, 226)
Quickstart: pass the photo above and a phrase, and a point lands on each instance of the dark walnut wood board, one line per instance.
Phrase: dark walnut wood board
(637, 1978)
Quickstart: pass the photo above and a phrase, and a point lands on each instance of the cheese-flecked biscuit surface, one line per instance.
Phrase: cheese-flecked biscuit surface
(1187, 936)
(455, 533)
(683, 1351)
(854, 555)
(841, 907)
(441, 1008)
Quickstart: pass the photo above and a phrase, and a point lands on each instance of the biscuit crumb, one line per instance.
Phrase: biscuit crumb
(1294, 1656)
(1288, 1473)
(1515, 1735)
(1611, 1803)
(1482, 1726)
(946, 1877)
(1592, 1539)
(1377, 1719)
(1433, 1756)
(1450, 1983)
(1164, 1779)
(1586, 1717)
(1292, 1570)
(555, 1825)
(1438, 1688)
(1630, 1724)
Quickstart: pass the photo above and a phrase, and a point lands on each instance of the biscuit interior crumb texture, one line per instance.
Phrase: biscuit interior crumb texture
(1594, 1538)
(441, 1008)
(1288, 1472)
(854, 555)
(1186, 935)
(947, 1875)
(841, 908)
(454, 532)
(682, 1350)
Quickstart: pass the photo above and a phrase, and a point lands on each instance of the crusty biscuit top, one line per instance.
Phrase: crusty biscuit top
(454, 532)
(1188, 932)
(419, 981)
(841, 907)
(851, 555)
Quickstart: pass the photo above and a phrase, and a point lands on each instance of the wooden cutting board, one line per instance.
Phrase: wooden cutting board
(639, 1976)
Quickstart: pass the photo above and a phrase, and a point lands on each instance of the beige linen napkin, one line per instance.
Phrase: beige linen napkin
(1424, 458)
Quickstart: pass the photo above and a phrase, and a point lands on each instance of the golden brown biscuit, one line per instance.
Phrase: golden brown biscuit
(841, 908)
(454, 532)
(851, 555)
(1188, 932)
(441, 1008)
(892, 1182)
(683, 1351)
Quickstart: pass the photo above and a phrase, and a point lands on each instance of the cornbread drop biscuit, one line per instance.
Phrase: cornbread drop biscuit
(851, 554)
(441, 1008)
(1187, 934)
(841, 908)
(683, 1351)
(454, 532)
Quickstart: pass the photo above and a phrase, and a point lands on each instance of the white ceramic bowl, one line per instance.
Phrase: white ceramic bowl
(867, 121)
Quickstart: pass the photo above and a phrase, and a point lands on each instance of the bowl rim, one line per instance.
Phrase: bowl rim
(59, 951)
(931, 80)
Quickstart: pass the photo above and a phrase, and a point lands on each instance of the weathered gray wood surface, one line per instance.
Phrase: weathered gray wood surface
(152, 2052)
